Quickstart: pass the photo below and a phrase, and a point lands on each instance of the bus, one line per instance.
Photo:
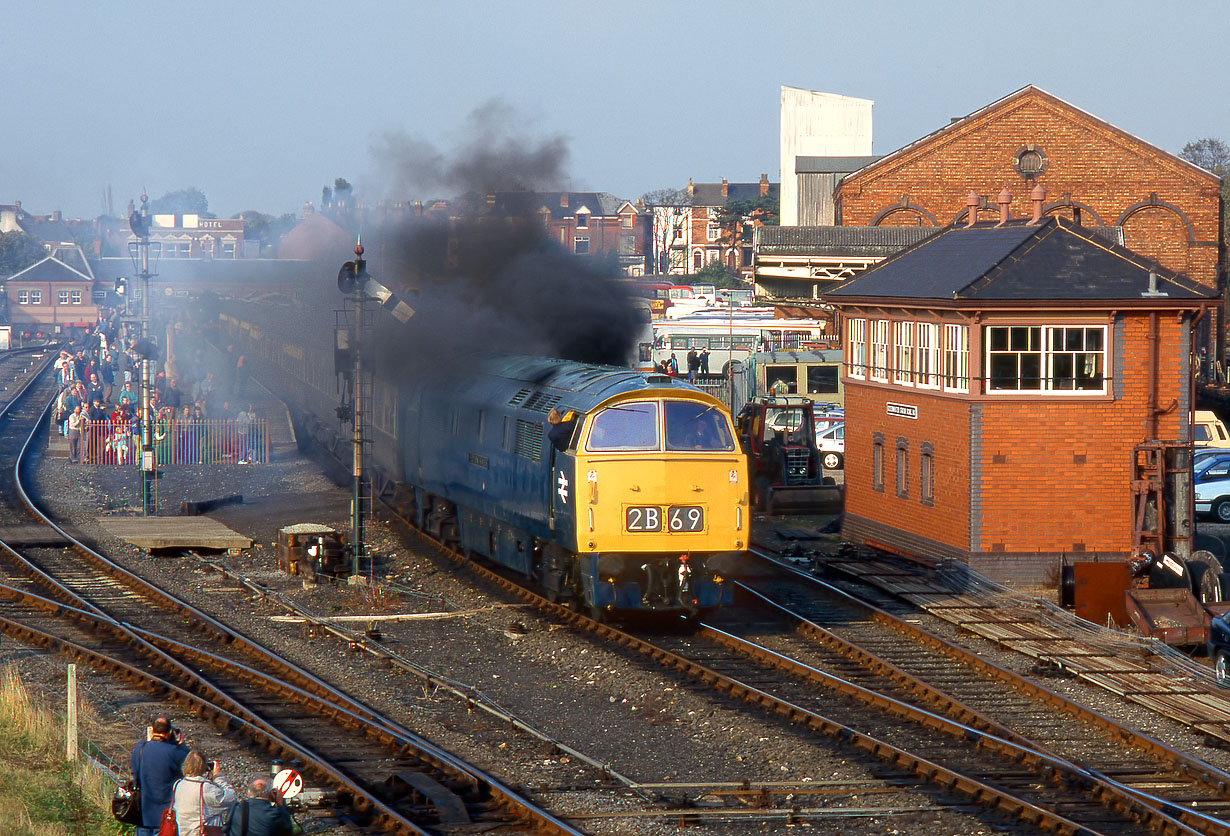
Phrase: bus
(728, 334)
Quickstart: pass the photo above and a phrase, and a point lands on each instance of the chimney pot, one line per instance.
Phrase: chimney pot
(971, 207)
(1004, 200)
(1038, 195)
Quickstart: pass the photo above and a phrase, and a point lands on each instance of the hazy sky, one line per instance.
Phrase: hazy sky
(260, 104)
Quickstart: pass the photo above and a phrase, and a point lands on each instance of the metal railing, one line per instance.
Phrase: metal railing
(194, 441)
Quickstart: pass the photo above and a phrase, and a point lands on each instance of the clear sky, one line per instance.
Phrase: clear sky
(260, 104)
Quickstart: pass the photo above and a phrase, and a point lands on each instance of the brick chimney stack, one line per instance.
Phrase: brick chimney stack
(691, 188)
(725, 187)
(764, 185)
(563, 200)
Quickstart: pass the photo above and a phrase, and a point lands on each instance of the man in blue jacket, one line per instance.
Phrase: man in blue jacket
(156, 764)
(262, 814)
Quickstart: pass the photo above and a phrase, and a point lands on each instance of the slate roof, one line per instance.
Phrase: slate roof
(529, 204)
(710, 194)
(1018, 262)
(831, 165)
(50, 270)
(874, 241)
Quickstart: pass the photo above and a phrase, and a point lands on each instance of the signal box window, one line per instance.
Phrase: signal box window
(629, 426)
(696, 426)
(1038, 358)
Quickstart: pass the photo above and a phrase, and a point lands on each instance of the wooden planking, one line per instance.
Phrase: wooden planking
(31, 535)
(174, 533)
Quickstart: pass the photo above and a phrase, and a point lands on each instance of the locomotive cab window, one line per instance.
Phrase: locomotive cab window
(628, 426)
(696, 426)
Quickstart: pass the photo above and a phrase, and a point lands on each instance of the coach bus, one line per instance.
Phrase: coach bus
(729, 334)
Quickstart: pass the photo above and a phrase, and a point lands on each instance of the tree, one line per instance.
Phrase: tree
(189, 201)
(719, 275)
(18, 251)
(1213, 155)
(255, 224)
(672, 213)
(1208, 153)
(737, 218)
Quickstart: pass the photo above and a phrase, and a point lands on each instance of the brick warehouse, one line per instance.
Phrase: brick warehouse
(1169, 209)
(997, 380)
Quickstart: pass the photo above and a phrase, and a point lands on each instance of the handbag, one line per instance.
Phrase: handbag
(167, 826)
(126, 803)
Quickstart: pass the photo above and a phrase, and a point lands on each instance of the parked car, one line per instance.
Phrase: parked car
(1208, 430)
(831, 439)
(1211, 479)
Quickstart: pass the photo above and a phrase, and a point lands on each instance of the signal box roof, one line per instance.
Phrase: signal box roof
(1020, 262)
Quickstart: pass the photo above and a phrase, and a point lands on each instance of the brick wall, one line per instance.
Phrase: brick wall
(1106, 170)
(1017, 475)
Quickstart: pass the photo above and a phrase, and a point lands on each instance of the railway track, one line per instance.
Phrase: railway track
(1107, 779)
(59, 593)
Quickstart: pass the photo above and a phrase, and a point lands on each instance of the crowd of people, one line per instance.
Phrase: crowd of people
(98, 407)
(171, 774)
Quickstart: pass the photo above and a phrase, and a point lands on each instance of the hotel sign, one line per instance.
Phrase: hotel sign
(902, 410)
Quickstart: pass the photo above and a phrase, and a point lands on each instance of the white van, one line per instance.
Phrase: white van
(1208, 430)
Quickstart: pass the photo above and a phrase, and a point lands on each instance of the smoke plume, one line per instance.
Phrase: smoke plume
(484, 277)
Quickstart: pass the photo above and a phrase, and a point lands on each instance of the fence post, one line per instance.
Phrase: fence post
(72, 712)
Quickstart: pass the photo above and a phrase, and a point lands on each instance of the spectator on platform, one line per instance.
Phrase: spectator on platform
(95, 389)
(75, 427)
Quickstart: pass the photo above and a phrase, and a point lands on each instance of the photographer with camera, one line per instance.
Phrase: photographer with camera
(202, 797)
(156, 764)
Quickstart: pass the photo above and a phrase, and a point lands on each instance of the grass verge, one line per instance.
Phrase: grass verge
(41, 793)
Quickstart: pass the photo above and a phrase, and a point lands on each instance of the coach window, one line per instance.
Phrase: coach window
(628, 426)
(822, 380)
(779, 377)
(696, 426)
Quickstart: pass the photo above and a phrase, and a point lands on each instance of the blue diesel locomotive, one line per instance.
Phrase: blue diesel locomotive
(609, 488)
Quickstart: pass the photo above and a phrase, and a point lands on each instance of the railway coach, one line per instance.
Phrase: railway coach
(618, 491)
